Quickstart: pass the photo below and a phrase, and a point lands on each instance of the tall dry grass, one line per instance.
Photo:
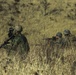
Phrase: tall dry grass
(60, 15)
(37, 62)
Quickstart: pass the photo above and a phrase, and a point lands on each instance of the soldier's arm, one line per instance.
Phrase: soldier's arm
(9, 47)
(15, 43)
(74, 38)
(6, 45)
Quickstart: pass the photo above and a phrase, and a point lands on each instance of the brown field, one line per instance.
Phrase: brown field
(40, 19)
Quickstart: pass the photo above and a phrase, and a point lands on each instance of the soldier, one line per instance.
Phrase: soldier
(50, 42)
(60, 41)
(19, 42)
(53, 46)
(69, 38)
(53, 42)
(60, 45)
(49, 50)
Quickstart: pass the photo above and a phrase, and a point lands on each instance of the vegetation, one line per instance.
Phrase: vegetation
(30, 14)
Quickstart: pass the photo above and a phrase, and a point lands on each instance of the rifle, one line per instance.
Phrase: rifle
(6, 41)
(10, 35)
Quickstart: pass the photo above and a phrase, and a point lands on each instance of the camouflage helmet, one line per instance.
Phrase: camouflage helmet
(66, 32)
(59, 34)
(18, 28)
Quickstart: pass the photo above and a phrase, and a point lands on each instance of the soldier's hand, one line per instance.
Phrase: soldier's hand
(6, 42)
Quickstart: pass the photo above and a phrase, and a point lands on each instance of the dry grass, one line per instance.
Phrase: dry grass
(37, 62)
(60, 15)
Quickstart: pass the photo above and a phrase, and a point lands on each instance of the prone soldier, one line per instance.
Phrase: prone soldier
(60, 40)
(60, 45)
(69, 38)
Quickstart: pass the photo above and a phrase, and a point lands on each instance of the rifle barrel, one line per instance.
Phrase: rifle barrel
(5, 42)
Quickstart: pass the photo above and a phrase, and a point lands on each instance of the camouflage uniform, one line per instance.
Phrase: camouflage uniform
(60, 45)
(49, 50)
(53, 46)
(53, 42)
(19, 43)
(60, 41)
(69, 39)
